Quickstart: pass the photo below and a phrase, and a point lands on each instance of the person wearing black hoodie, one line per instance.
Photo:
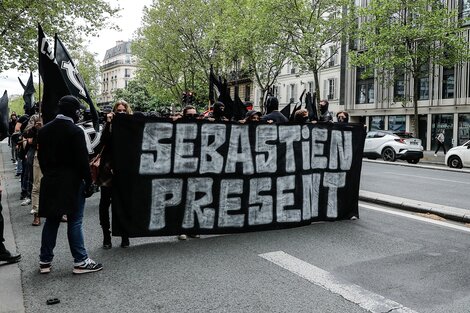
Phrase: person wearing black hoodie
(273, 114)
(325, 115)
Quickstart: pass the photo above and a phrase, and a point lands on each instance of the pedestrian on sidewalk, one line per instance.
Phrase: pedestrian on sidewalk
(66, 182)
(5, 255)
(440, 142)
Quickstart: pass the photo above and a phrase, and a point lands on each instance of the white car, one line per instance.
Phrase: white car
(390, 147)
(459, 156)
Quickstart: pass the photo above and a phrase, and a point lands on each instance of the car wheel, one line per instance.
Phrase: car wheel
(413, 161)
(388, 154)
(454, 162)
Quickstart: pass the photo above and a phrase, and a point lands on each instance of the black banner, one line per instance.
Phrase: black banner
(211, 178)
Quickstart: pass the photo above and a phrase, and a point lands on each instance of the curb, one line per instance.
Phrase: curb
(11, 295)
(428, 165)
(447, 212)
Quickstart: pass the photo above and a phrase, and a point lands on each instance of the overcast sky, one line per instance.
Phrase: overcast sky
(131, 17)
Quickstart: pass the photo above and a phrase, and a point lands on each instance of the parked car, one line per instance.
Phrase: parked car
(390, 147)
(459, 156)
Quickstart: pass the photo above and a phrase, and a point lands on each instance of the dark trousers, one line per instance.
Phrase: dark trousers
(105, 203)
(439, 145)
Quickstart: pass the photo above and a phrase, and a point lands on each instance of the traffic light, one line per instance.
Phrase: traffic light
(184, 97)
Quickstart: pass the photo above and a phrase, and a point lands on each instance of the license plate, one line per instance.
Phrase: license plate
(414, 143)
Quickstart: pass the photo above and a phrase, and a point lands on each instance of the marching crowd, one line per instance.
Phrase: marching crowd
(52, 162)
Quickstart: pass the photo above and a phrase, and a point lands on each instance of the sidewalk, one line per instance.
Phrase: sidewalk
(11, 295)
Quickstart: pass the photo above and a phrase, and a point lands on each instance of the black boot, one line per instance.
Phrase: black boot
(6, 256)
(125, 242)
(107, 239)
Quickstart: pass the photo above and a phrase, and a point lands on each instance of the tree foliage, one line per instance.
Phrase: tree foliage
(407, 36)
(312, 28)
(71, 18)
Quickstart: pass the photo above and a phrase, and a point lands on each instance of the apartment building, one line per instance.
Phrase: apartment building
(117, 68)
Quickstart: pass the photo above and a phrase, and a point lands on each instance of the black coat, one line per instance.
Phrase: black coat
(63, 158)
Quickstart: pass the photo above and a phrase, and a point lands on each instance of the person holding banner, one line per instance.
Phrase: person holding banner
(66, 182)
(105, 179)
(273, 115)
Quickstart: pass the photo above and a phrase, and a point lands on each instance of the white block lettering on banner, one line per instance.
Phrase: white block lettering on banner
(285, 197)
(212, 138)
(266, 156)
(306, 148)
(156, 156)
(289, 134)
(319, 160)
(333, 181)
(185, 162)
(239, 150)
(260, 211)
(229, 203)
(311, 194)
(195, 203)
(161, 189)
(341, 148)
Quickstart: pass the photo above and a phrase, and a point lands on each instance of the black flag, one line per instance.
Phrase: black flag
(54, 85)
(311, 108)
(28, 94)
(4, 116)
(73, 79)
(286, 111)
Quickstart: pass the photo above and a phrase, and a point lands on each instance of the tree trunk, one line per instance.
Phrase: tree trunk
(316, 100)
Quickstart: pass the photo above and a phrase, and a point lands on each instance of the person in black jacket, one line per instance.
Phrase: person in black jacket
(273, 115)
(66, 182)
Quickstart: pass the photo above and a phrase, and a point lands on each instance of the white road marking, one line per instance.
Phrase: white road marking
(431, 178)
(416, 217)
(366, 299)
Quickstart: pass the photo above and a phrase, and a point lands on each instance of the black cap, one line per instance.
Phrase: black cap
(70, 103)
(251, 113)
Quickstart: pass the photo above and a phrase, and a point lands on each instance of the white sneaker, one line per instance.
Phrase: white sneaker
(26, 201)
(32, 212)
(182, 237)
(435, 155)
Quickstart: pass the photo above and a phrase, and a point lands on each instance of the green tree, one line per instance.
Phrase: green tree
(70, 18)
(246, 31)
(139, 97)
(313, 30)
(89, 69)
(173, 46)
(412, 37)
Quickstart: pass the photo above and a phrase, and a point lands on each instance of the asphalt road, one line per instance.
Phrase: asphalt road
(450, 188)
(418, 265)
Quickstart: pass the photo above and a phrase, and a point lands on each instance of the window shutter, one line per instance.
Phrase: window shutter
(325, 90)
(335, 88)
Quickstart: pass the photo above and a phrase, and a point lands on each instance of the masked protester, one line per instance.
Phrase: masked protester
(66, 182)
(325, 115)
(218, 112)
(342, 117)
(273, 115)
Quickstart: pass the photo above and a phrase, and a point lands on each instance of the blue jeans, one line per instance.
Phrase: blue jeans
(74, 234)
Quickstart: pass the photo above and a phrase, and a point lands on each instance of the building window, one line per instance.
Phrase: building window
(397, 122)
(424, 83)
(127, 72)
(441, 122)
(464, 129)
(329, 88)
(332, 55)
(311, 87)
(247, 93)
(464, 11)
(448, 83)
(364, 87)
(399, 87)
(376, 122)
